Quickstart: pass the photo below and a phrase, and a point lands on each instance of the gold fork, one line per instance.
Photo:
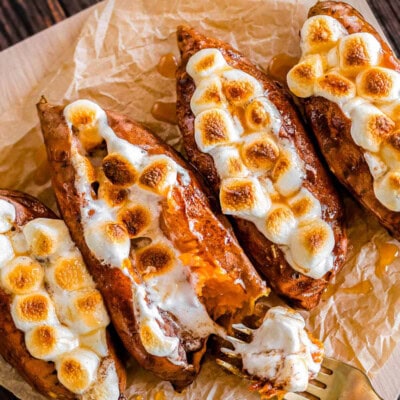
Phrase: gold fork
(335, 381)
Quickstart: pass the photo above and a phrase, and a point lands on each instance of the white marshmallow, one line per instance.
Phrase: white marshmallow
(19, 243)
(228, 163)
(305, 206)
(208, 95)
(7, 216)
(7, 252)
(376, 165)
(387, 190)
(96, 341)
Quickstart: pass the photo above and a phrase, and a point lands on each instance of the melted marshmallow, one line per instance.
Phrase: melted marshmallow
(261, 174)
(347, 71)
(288, 357)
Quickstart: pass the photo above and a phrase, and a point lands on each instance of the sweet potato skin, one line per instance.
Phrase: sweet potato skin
(297, 288)
(40, 374)
(113, 284)
(332, 128)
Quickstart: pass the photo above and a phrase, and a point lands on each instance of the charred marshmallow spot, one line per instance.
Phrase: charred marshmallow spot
(7, 216)
(302, 77)
(22, 276)
(259, 152)
(159, 175)
(320, 33)
(228, 162)
(32, 310)
(378, 84)
(154, 260)
(370, 127)
(335, 87)
(261, 114)
(77, 370)
(44, 236)
(281, 351)
(214, 128)
(7, 252)
(240, 87)
(136, 219)
(208, 95)
(280, 224)
(119, 170)
(358, 51)
(243, 197)
(49, 342)
(310, 245)
(387, 190)
(204, 63)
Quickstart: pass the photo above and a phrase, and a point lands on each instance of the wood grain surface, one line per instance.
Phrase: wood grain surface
(20, 19)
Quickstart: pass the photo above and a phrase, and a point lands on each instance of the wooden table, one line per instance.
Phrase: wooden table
(20, 19)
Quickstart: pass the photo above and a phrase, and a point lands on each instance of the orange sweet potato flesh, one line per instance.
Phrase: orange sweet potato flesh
(41, 375)
(298, 289)
(332, 128)
(187, 219)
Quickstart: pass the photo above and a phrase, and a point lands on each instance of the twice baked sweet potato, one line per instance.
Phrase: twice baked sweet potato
(170, 269)
(241, 131)
(352, 101)
(42, 279)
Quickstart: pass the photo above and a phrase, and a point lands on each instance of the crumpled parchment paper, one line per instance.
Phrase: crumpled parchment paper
(114, 63)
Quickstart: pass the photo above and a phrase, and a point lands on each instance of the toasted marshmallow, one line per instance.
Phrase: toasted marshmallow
(392, 110)
(376, 165)
(154, 260)
(47, 342)
(387, 190)
(302, 77)
(335, 87)
(351, 105)
(312, 244)
(119, 170)
(83, 116)
(136, 219)
(261, 114)
(154, 340)
(281, 351)
(259, 152)
(378, 84)
(32, 310)
(7, 252)
(228, 163)
(320, 33)
(83, 311)
(68, 273)
(109, 241)
(208, 95)
(280, 224)
(243, 197)
(305, 206)
(22, 275)
(46, 236)
(369, 127)
(214, 128)
(159, 175)
(77, 370)
(358, 51)
(96, 341)
(7, 216)
(287, 173)
(205, 63)
(390, 150)
(240, 87)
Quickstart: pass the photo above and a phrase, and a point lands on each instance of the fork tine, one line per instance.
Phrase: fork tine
(243, 329)
(325, 378)
(316, 391)
(231, 368)
(294, 396)
(230, 353)
(235, 340)
(330, 363)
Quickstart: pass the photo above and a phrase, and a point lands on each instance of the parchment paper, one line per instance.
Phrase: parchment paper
(114, 63)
